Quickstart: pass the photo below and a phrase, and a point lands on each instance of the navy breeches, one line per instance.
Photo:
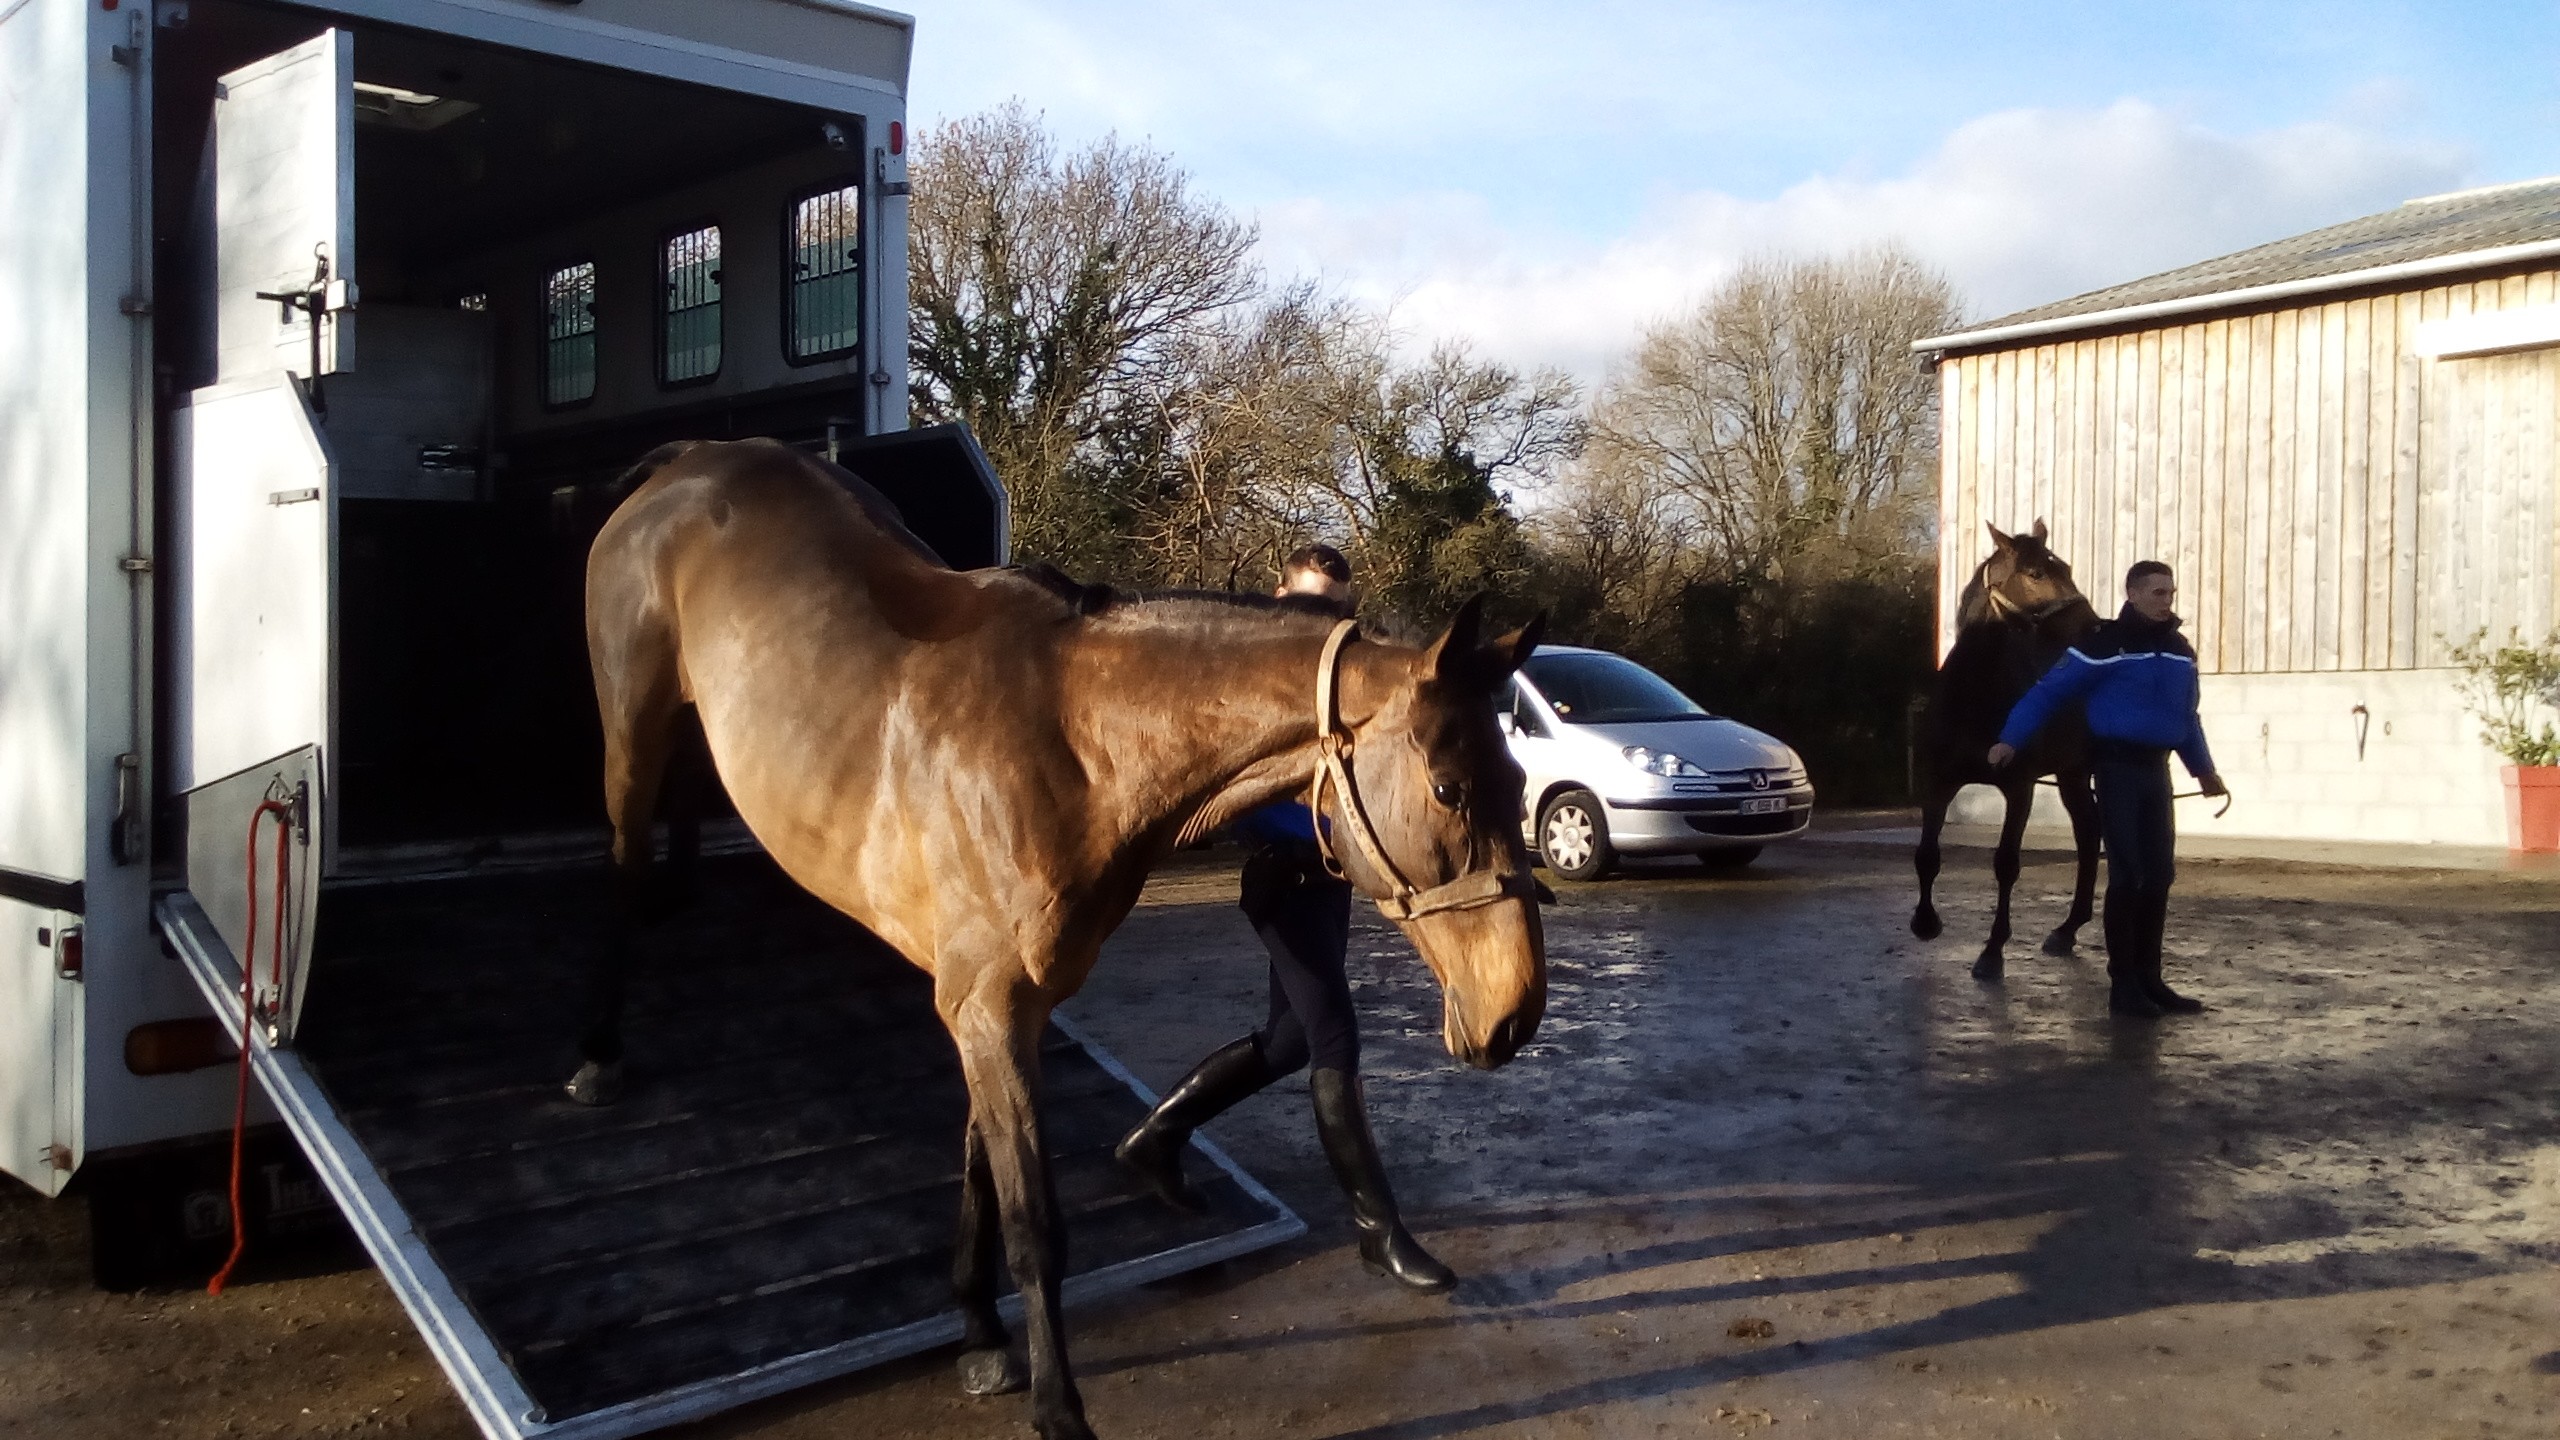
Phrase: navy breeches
(1303, 917)
(2135, 816)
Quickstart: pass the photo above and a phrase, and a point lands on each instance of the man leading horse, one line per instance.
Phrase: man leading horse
(2137, 675)
(1302, 913)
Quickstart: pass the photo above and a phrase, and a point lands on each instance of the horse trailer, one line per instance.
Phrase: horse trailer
(326, 329)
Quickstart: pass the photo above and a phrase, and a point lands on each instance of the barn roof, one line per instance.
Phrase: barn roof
(2439, 234)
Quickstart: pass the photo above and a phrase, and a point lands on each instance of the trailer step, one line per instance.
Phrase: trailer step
(772, 1204)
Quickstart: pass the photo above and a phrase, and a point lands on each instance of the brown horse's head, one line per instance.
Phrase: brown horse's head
(2022, 577)
(1443, 800)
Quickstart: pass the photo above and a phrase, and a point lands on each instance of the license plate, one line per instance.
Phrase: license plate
(1769, 805)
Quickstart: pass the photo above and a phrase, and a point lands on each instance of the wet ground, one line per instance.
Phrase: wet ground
(1772, 1163)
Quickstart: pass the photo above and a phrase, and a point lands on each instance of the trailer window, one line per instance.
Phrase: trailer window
(825, 317)
(569, 335)
(689, 307)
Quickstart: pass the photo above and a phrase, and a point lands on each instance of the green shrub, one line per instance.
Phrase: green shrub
(2508, 688)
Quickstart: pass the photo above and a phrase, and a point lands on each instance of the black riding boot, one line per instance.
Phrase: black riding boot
(2126, 921)
(1386, 1248)
(1154, 1149)
(2155, 927)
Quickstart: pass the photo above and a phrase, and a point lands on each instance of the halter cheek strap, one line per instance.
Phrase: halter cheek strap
(1405, 900)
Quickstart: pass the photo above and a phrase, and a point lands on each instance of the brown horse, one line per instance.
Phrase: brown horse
(982, 767)
(2016, 617)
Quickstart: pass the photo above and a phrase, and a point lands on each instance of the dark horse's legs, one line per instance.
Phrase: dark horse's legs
(2018, 797)
(2083, 807)
(1924, 858)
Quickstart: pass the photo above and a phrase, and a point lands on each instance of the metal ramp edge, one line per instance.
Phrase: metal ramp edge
(487, 1385)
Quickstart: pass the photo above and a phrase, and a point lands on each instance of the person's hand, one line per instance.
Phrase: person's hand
(2212, 786)
(2001, 755)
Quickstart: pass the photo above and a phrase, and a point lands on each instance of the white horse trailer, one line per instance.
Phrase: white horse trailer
(325, 330)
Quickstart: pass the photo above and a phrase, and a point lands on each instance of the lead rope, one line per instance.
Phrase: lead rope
(249, 1012)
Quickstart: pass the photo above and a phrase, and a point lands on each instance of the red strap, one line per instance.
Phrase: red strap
(249, 1010)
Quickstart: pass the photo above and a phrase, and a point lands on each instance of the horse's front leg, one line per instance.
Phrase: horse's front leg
(987, 1366)
(2083, 807)
(999, 1040)
(2019, 797)
(1924, 858)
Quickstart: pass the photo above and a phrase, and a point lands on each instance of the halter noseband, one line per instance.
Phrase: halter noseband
(1333, 753)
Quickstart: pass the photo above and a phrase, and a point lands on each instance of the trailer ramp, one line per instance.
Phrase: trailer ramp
(772, 1204)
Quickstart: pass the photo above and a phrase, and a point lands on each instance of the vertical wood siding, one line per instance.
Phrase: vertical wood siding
(2331, 501)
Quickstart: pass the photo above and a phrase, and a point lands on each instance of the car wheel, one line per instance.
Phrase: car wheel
(1733, 858)
(1573, 836)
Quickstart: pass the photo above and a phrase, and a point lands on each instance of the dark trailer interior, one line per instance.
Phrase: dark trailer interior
(370, 611)
(559, 266)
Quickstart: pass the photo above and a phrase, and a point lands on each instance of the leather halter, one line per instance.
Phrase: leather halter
(1333, 754)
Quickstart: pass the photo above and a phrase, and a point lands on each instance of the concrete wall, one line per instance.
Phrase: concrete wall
(2286, 744)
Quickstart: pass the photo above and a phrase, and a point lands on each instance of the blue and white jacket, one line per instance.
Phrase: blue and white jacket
(2139, 679)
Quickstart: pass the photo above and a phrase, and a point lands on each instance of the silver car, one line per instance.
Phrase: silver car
(1621, 763)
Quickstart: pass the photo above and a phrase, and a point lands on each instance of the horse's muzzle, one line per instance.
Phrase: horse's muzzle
(1503, 1043)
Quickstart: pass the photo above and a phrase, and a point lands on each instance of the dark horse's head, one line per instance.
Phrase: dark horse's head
(2021, 581)
(1437, 782)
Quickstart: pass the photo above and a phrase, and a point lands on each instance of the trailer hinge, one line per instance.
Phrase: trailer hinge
(130, 52)
(124, 837)
(69, 953)
(134, 564)
(134, 305)
(57, 1157)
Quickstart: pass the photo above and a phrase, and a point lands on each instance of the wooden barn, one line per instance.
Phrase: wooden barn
(2346, 442)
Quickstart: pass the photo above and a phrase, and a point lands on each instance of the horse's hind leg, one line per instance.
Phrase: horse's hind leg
(636, 695)
(1993, 963)
(1924, 858)
(987, 1366)
(2083, 808)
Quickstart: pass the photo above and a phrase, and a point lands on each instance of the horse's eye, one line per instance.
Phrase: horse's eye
(1450, 794)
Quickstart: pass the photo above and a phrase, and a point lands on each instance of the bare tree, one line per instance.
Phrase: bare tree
(1050, 294)
(1787, 414)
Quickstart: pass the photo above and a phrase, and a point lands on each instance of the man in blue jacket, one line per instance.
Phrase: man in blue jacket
(2138, 677)
(1302, 914)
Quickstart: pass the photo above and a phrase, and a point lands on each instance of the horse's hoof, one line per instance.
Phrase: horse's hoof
(2061, 943)
(596, 1083)
(1991, 968)
(991, 1372)
(1925, 924)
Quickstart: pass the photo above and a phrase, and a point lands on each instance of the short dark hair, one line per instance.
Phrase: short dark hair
(1323, 559)
(2143, 570)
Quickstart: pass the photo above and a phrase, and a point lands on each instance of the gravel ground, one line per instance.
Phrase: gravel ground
(1771, 1163)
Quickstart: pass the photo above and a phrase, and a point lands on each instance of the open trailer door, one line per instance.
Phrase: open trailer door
(257, 628)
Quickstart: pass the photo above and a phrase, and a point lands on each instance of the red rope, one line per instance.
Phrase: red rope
(249, 1010)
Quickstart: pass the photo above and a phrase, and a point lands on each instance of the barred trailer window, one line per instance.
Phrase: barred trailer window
(826, 273)
(689, 306)
(569, 334)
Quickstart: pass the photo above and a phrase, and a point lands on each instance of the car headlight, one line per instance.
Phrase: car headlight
(1659, 762)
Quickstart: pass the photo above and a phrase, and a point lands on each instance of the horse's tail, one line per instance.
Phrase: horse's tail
(647, 465)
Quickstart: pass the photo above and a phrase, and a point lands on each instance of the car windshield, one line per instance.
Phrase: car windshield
(1607, 690)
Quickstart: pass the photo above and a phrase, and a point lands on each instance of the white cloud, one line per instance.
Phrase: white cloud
(2018, 207)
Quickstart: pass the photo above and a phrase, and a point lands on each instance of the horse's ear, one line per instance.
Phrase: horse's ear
(1509, 652)
(2039, 530)
(1998, 540)
(1449, 655)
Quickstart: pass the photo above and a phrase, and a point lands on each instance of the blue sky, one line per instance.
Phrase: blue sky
(1543, 181)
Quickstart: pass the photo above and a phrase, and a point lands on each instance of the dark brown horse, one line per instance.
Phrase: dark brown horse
(2016, 617)
(982, 770)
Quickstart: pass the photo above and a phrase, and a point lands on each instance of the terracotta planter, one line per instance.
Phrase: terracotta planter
(2533, 807)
